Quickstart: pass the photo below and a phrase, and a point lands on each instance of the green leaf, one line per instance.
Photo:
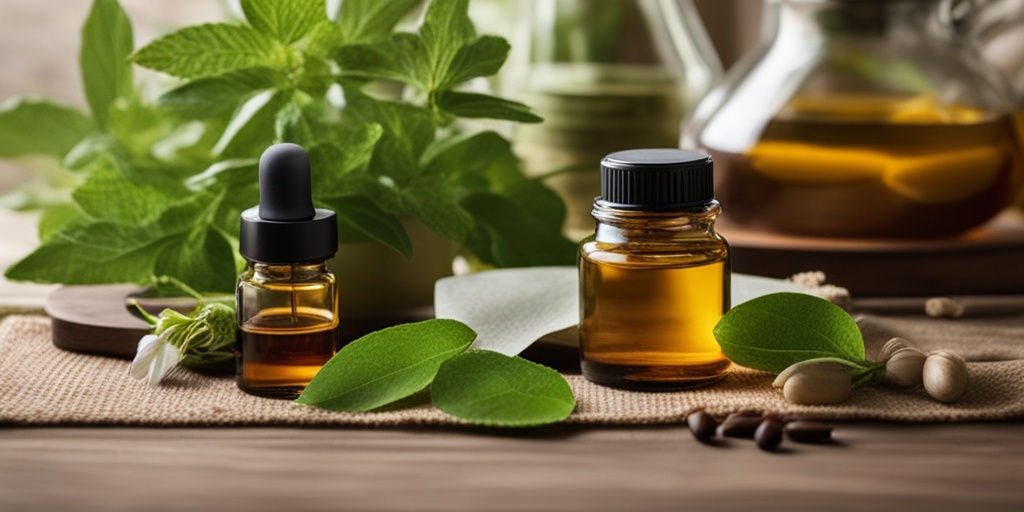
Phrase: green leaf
(108, 252)
(488, 388)
(252, 127)
(56, 219)
(477, 106)
(360, 220)
(368, 21)
(386, 365)
(287, 21)
(446, 29)
(212, 49)
(104, 58)
(108, 195)
(775, 331)
(218, 96)
(202, 258)
(481, 58)
(508, 235)
(31, 125)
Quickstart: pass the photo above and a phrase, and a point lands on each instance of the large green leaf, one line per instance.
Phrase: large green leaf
(104, 58)
(203, 258)
(361, 220)
(446, 29)
(31, 125)
(775, 331)
(252, 126)
(386, 365)
(481, 58)
(289, 20)
(212, 49)
(488, 388)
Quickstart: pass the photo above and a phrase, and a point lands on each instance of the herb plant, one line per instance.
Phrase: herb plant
(160, 185)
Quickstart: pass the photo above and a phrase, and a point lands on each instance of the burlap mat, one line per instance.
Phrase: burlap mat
(43, 385)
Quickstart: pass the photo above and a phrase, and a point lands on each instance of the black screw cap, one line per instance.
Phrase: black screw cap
(656, 179)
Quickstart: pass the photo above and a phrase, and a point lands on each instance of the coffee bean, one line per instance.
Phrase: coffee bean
(809, 431)
(739, 426)
(702, 425)
(768, 435)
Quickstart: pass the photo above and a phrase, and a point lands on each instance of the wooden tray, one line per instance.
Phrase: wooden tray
(989, 260)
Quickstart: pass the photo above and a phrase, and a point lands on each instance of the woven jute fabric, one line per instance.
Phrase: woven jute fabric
(43, 385)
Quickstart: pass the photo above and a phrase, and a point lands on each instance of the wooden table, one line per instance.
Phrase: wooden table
(872, 466)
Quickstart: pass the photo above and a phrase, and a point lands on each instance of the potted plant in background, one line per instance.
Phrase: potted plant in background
(160, 184)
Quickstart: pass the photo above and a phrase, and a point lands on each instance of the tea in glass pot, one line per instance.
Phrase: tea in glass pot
(862, 118)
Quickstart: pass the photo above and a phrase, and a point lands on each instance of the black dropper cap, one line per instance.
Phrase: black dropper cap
(285, 228)
(656, 180)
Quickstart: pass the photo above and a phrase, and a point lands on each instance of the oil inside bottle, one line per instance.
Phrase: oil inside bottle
(647, 324)
(281, 350)
(854, 167)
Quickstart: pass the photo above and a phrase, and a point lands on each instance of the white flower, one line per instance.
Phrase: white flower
(154, 358)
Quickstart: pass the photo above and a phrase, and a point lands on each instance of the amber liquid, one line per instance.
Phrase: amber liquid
(280, 352)
(647, 326)
(898, 178)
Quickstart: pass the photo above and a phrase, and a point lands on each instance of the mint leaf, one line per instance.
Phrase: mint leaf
(488, 388)
(368, 21)
(506, 232)
(212, 49)
(56, 219)
(473, 105)
(481, 58)
(32, 125)
(775, 331)
(252, 127)
(288, 21)
(361, 220)
(108, 195)
(220, 95)
(386, 365)
(104, 58)
(446, 28)
(201, 257)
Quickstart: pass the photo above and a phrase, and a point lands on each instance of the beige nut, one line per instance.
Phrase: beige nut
(817, 383)
(945, 376)
(903, 368)
(891, 347)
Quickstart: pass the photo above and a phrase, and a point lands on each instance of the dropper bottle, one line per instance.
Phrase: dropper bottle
(287, 300)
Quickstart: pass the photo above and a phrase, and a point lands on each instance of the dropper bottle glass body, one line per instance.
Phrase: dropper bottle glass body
(286, 299)
(655, 276)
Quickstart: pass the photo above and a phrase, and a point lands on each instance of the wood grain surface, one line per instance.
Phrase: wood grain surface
(872, 466)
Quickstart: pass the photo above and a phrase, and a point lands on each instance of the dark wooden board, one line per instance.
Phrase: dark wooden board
(989, 260)
(95, 320)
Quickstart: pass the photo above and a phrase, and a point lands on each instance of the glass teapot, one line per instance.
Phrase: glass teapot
(862, 118)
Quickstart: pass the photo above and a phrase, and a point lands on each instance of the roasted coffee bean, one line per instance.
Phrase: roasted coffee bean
(809, 431)
(702, 425)
(740, 426)
(768, 435)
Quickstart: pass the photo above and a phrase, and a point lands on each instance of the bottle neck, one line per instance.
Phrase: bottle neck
(287, 272)
(616, 225)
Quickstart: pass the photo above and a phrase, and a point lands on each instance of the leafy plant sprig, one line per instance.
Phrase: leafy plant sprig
(776, 331)
(160, 186)
(478, 386)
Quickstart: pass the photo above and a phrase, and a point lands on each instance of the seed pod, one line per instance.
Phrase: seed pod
(903, 369)
(891, 347)
(809, 431)
(945, 376)
(739, 425)
(818, 383)
(768, 435)
(702, 425)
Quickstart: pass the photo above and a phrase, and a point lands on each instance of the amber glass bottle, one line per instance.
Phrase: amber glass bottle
(287, 300)
(654, 277)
